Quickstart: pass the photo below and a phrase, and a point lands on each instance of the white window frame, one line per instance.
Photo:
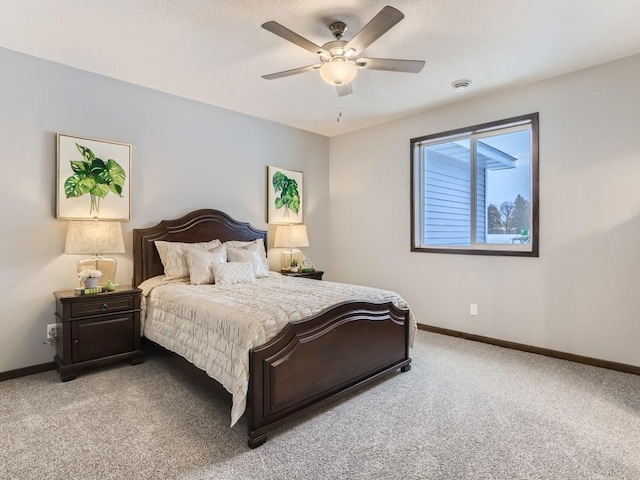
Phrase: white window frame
(524, 122)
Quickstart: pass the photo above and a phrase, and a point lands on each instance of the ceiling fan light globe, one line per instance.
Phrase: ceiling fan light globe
(338, 72)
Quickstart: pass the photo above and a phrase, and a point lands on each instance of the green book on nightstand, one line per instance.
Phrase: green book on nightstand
(89, 291)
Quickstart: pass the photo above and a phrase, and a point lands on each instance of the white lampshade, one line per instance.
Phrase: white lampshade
(95, 237)
(338, 71)
(291, 236)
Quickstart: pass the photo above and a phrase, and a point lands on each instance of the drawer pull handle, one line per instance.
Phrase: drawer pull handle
(105, 307)
(76, 341)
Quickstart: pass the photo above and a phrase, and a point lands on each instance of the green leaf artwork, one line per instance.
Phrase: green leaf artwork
(289, 198)
(95, 177)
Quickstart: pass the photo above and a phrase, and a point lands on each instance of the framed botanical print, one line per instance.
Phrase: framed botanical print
(284, 200)
(93, 179)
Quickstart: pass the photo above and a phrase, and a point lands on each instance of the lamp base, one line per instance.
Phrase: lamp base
(288, 256)
(106, 265)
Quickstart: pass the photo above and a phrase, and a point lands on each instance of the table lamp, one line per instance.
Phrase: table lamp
(95, 237)
(290, 237)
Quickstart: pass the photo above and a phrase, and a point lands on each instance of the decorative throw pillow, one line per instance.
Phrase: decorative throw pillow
(201, 263)
(173, 259)
(258, 255)
(239, 255)
(233, 272)
(248, 254)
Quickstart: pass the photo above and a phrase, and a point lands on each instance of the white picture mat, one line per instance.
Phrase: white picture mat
(112, 206)
(282, 215)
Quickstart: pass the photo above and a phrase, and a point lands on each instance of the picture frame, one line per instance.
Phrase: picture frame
(285, 198)
(93, 179)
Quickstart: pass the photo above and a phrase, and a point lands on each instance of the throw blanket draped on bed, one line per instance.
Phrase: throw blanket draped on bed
(215, 326)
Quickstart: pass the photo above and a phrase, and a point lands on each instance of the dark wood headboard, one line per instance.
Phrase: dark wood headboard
(198, 226)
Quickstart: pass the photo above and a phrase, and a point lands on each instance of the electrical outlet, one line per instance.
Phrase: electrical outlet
(52, 333)
(473, 309)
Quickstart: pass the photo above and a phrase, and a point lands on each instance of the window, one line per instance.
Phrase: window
(475, 190)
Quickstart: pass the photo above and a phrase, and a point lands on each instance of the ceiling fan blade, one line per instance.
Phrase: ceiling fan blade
(288, 73)
(344, 90)
(391, 64)
(293, 37)
(378, 26)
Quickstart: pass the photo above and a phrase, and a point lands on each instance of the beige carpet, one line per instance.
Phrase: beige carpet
(465, 411)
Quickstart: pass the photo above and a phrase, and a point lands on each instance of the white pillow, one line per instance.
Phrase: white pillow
(201, 263)
(258, 255)
(233, 272)
(173, 259)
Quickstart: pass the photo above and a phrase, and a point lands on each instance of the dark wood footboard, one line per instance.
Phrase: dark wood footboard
(322, 358)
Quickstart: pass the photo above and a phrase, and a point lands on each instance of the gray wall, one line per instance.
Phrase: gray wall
(580, 296)
(186, 155)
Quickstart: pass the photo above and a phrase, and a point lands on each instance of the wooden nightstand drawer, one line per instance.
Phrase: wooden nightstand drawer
(103, 304)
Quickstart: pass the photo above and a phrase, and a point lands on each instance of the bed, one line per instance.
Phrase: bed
(309, 361)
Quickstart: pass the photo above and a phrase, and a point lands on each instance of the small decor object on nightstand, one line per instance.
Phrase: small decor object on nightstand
(89, 278)
(294, 265)
(307, 267)
(89, 291)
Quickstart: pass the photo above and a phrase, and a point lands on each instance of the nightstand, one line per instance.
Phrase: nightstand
(97, 329)
(317, 275)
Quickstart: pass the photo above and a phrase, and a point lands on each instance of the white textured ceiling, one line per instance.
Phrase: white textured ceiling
(215, 51)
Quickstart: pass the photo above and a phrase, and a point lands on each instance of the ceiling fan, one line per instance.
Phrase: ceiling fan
(339, 61)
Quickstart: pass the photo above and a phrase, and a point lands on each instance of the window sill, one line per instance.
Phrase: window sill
(516, 250)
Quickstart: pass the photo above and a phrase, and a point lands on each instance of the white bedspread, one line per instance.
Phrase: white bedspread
(215, 326)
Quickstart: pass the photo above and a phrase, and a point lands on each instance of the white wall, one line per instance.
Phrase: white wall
(186, 155)
(580, 295)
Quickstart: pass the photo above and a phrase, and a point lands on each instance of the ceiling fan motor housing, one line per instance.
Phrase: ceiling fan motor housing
(336, 48)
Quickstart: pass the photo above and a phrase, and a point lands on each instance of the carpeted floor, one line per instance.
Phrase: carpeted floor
(465, 411)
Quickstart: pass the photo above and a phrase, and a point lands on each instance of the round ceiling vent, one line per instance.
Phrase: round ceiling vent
(461, 85)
